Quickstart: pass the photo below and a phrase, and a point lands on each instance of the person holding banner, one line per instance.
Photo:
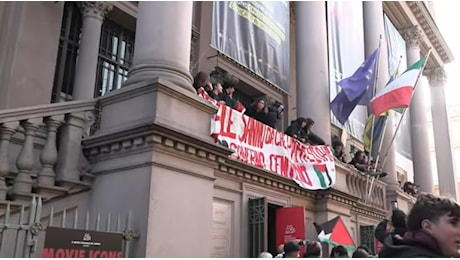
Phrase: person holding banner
(229, 90)
(202, 80)
(295, 130)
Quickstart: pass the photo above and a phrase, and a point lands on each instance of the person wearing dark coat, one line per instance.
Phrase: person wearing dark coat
(275, 112)
(257, 111)
(309, 136)
(433, 231)
(295, 129)
(398, 220)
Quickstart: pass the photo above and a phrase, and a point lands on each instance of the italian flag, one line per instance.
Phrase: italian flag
(398, 93)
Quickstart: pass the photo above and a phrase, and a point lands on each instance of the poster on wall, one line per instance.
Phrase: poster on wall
(290, 225)
(256, 35)
(74, 243)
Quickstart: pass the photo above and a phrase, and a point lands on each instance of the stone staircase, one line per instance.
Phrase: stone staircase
(41, 153)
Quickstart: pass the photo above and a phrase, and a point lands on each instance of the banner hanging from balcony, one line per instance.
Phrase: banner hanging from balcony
(311, 167)
(256, 35)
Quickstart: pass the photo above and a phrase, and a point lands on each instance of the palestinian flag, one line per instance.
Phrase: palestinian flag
(321, 172)
(335, 233)
(398, 93)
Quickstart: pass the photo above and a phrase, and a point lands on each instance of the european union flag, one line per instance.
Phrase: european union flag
(354, 88)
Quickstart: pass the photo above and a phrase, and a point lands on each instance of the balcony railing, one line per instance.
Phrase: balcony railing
(40, 150)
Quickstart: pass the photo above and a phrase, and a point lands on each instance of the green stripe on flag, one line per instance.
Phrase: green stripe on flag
(320, 175)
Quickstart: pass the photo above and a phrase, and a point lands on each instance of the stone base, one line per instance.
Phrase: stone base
(22, 198)
(73, 186)
(48, 192)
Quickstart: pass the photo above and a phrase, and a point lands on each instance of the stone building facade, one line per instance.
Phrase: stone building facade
(93, 129)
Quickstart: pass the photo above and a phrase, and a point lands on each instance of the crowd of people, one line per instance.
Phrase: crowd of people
(222, 88)
(431, 229)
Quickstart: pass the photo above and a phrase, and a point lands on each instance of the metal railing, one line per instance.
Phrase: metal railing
(22, 231)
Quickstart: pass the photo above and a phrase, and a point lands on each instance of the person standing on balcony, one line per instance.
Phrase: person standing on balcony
(309, 136)
(202, 80)
(229, 90)
(216, 91)
(295, 129)
(275, 112)
(258, 111)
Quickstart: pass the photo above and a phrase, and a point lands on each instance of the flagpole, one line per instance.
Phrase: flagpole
(400, 120)
(382, 136)
(377, 159)
(385, 125)
(373, 95)
(373, 116)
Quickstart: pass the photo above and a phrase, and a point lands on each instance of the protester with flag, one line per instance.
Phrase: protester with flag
(354, 88)
(398, 93)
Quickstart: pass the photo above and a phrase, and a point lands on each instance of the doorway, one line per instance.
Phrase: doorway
(271, 232)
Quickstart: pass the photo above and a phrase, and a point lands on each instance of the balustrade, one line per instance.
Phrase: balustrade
(358, 184)
(41, 167)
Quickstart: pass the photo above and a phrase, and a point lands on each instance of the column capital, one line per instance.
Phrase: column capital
(436, 76)
(95, 8)
(413, 36)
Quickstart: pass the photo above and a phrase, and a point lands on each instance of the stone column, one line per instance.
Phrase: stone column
(311, 66)
(374, 27)
(442, 140)
(85, 72)
(159, 53)
(419, 127)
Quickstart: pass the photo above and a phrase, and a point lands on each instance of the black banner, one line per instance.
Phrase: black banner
(256, 35)
(74, 243)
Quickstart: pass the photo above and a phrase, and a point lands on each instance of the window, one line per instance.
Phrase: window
(67, 54)
(116, 51)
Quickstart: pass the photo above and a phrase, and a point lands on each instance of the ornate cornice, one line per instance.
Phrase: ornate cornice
(96, 9)
(413, 36)
(428, 25)
(436, 76)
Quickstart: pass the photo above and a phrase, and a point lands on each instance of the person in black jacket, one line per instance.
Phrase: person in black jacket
(275, 112)
(434, 231)
(258, 110)
(398, 220)
(295, 129)
(309, 136)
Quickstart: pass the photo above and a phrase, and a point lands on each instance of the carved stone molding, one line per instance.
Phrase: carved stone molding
(95, 8)
(436, 76)
(413, 36)
(427, 23)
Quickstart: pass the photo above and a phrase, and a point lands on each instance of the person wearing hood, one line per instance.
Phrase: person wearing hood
(275, 112)
(433, 231)
(295, 130)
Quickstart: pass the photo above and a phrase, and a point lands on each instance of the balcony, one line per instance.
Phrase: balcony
(40, 151)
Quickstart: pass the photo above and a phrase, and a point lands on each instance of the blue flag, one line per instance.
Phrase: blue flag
(354, 88)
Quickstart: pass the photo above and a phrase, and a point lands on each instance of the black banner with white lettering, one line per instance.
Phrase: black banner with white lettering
(256, 35)
(74, 243)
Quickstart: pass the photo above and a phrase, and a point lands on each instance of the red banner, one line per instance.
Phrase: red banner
(290, 225)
